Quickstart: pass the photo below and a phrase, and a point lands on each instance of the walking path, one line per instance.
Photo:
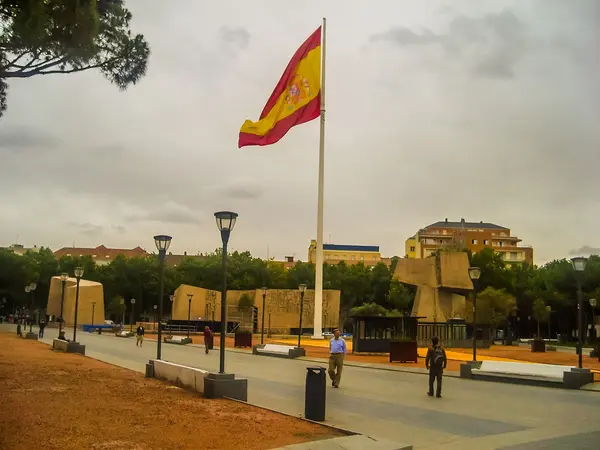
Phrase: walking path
(388, 403)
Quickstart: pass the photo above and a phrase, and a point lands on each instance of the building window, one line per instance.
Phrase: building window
(513, 256)
(486, 242)
(444, 232)
(93, 256)
(374, 258)
(353, 257)
(362, 258)
(344, 257)
(412, 249)
(68, 254)
(474, 242)
(500, 244)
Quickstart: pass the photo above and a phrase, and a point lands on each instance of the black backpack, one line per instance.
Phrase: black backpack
(437, 359)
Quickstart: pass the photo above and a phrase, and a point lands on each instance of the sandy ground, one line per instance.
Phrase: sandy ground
(52, 400)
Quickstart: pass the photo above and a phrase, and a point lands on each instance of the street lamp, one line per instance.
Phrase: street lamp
(262, 322)
(63, 278)
(474, 274)
(190, 296)
(32, 288)
(122, 303)
(225, 223)
(162, 242)
(302, 289)
(28, 300)
(549, 309)
(593, 305)
(579, 263)
(78, 275)
(154, 307)
(93, 310)
(131, 320)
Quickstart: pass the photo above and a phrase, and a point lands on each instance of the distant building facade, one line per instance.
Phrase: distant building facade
(369, 255)
(474, 236)
(101, 255)
(19, 249)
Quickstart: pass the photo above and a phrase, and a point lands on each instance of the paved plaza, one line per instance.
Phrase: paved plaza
(391, 404)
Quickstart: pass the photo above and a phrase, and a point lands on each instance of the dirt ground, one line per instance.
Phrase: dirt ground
(52, 400)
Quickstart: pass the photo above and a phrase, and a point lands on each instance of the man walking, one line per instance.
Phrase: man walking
(42, 325)
(436, 362)
(208, 339)
(337, 350)
(139, 336)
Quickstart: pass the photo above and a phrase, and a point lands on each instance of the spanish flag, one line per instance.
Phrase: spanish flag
(295, 100)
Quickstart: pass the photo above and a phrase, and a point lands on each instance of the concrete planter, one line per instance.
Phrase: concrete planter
(124, 334)
(403, 351)
(68, 347)
(32, 336)
(178, 340)
(538, 346)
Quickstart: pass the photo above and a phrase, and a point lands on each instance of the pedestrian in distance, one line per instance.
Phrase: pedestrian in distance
(337, 351)
(208, 339)
(139, 336)
(42, 325)
(436, 362)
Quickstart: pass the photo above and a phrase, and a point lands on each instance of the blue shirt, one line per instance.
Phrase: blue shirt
(337, 345)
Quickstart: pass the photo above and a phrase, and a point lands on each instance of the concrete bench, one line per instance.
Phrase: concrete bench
(568, 377)
(279, 351)
(179, 340)
(188, 377)
(68, 347)
(124, 334)
(211, 385)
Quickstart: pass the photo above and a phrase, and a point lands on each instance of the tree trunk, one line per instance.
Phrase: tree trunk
(538, 333)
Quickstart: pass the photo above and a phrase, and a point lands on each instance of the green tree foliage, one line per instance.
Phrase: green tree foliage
(245, 302)
(493, 307)
(540, 313)
(41, 37)
(369, 309)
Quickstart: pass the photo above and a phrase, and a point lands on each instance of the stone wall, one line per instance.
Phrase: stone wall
(282, 304)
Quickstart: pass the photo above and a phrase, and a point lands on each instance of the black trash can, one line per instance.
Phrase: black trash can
(99, 330)
(314, 398)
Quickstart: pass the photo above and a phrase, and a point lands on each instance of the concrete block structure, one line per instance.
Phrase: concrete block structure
(282, 304)
(89, 292)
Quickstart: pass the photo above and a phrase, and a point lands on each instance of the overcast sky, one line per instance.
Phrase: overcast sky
(483, 110)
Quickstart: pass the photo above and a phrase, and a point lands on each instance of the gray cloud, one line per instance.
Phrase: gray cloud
(235, 37)
(490, 45)
(118, 228)
(166, 212)
(86, 228)
(585, 250)
(22, 139)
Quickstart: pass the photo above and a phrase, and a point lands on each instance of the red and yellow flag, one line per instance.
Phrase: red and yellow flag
(295, 100)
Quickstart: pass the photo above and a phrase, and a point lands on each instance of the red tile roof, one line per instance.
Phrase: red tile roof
(101, 252)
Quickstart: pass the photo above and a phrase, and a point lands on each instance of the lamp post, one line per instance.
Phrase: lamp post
(154, 315)
(262, 322)
(131, 320)
(190, 296)
(474, 274)
(93, 310)
(225, 223)
(122, 303)
(28, 300)
(549, 309)
(302, 289)
(162, 242)
(172, 300)
(32, 288)
(78, 275)
(593, 305)
(578, 264)
(63, 278)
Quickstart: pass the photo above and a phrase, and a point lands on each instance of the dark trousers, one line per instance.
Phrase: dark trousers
(41, 332)
(433, 374)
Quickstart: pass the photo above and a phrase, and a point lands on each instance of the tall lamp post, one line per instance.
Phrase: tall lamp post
(63, 278)
(93, 310)
(131, 320)
(302, 289)
(154, 308)
(190, 296)
(474, 274)
(593, 330)
(172, 300)
(122, 303)
(225, 223)
(32, 288)
(78, 275)
(27, 300)
(579, 263)
(262, 321)
(162, 242)
(549, 309)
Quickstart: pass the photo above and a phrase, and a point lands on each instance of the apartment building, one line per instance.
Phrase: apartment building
(369, 255)
(101, 255)
(474, 236)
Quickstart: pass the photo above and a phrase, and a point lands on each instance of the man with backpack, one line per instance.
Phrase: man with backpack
(435, 361)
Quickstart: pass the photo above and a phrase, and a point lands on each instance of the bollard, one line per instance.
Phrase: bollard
(315, 394)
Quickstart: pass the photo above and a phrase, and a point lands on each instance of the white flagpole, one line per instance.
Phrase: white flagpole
(318, 322)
